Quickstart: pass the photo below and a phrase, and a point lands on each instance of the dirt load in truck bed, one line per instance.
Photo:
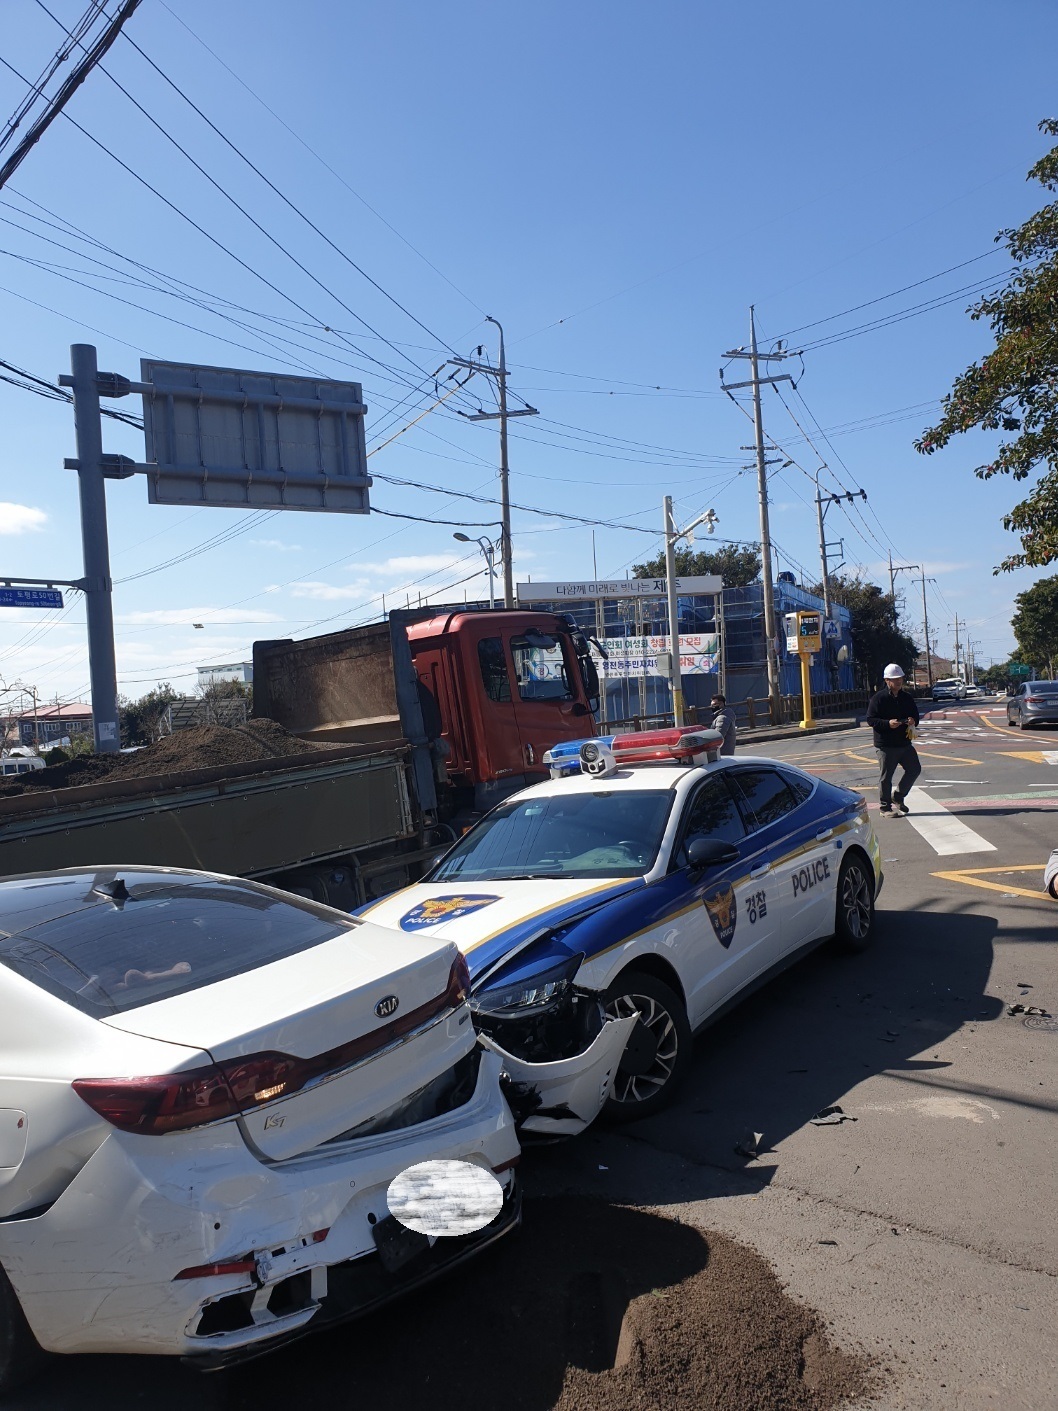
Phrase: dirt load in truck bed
(205, 747)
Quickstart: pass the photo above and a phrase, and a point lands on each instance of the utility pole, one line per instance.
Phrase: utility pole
(894, 569)
(502, 416)
(756, 382)
(957, 646)
(97, 583)
(672, 538)
(823, 503)
(925, 628)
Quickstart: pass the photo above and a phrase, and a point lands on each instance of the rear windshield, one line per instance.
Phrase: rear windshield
(168, 936)
(1043, 688)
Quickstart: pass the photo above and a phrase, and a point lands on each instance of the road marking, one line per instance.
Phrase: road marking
(1036, 756)
(946, 835)
(949, 758)
(972, 877)
(1050, 756)
(992, 725)
(864, 759)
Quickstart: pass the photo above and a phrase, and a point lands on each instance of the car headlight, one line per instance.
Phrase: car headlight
(530, 994)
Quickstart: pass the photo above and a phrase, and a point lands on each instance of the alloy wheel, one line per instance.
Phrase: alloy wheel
(636, 1087)
(856, 902)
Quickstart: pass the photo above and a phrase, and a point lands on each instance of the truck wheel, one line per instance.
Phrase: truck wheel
(658, 1051)
(20, 1353)
(854, 917)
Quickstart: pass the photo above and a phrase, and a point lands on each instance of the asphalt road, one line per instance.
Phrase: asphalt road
(925, 1230)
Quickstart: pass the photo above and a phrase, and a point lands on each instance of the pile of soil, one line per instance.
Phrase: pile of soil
(205, 747)
(593, 1307)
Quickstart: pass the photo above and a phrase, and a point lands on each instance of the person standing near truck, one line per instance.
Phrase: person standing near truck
(724, 721)
(892, 715)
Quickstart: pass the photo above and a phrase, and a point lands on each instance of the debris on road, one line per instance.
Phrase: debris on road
(831, 1117)
(749, 1145)
(1028, 1009)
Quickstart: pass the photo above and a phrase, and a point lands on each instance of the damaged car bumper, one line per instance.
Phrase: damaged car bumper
(245, 1253)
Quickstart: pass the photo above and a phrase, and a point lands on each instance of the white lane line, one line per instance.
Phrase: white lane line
(946, 835)
(1050, 756)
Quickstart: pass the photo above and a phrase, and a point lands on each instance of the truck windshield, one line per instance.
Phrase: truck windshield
(606, 833)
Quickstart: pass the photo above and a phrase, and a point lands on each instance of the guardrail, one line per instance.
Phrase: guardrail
(753, 713)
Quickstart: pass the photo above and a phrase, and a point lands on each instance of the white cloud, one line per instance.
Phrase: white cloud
(327, 592)
(407, 565)
(20, 519)
(277, 545)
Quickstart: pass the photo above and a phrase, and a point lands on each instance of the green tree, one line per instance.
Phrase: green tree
(735, 566)
(1014, 388)
(875, 637)
(141, 719)
(1035, 624)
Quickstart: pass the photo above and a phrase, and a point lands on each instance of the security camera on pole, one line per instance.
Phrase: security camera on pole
(672, 538)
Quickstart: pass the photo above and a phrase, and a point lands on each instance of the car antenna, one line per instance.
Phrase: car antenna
(115, 890)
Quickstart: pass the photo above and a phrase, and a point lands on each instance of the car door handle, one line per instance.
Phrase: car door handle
(823, 833)
(760, 871)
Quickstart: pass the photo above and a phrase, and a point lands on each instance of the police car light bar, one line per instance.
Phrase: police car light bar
(687, 744)
(682, 745)
(563, 759)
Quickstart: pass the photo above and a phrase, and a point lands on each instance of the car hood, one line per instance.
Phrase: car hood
(487, 919)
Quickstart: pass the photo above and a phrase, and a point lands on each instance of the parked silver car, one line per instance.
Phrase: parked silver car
(1033, 701)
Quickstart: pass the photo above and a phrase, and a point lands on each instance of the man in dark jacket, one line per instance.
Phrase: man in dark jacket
(891, 714)
(724, 721)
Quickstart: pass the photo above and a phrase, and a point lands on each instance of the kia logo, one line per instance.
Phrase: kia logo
(387, 1006)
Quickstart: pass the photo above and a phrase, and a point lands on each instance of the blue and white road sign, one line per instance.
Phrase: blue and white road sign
(30, 598)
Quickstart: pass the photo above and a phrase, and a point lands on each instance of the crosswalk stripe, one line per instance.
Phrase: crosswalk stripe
(946, 835)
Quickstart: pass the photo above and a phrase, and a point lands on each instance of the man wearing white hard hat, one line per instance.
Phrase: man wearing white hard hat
(892, 715)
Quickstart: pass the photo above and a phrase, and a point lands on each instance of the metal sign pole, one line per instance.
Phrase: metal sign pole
(99, 608)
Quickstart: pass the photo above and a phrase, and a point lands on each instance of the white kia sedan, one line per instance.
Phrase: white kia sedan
(206, 1089)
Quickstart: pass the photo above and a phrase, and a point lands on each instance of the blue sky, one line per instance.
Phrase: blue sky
(617, 184)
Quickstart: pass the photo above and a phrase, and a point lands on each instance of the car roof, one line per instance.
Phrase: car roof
(650, 778)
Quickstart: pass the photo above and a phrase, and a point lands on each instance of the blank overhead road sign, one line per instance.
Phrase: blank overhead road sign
(226, 437)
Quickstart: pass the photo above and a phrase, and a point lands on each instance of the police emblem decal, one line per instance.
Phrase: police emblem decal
(723, 913)
(437, 909)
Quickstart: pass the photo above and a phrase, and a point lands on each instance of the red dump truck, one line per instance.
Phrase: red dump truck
(434, 718)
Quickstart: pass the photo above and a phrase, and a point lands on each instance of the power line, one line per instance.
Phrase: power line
(869, 303)
(312, 151)
(67, 88)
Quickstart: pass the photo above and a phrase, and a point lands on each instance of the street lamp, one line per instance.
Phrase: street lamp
(488, 548)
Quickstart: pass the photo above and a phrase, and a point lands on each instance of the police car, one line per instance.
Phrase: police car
(649, 879)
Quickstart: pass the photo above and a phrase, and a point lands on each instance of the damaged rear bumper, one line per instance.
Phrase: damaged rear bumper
(359, 1286)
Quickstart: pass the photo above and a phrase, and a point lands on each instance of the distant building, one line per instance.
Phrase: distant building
(241, 671)
(47, 723)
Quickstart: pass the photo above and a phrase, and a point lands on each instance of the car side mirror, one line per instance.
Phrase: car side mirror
(578, 708)
(710, 852)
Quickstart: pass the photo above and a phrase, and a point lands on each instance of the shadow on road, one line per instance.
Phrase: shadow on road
(803, 1042)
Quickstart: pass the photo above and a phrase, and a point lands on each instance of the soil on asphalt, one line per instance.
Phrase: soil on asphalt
(204, 747)
(593, 1307)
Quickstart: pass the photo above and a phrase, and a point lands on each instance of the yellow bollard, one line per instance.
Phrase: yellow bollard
(806, 692)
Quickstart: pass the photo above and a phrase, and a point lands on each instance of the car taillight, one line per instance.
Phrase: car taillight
(154, 1106)
(174, 1102)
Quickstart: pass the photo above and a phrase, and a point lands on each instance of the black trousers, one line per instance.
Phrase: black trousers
(906, 756)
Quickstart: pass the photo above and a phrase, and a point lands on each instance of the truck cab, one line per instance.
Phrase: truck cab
(503, 688)
(478, 696)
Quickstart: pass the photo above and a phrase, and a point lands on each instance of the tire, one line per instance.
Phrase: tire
(1010, 722)
(20, 1353)
(1021, 723)
(854, 914)
(658, 1052)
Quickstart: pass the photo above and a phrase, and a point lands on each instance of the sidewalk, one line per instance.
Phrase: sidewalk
(790, 732)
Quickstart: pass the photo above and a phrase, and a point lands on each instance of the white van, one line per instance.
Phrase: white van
(16, 764)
